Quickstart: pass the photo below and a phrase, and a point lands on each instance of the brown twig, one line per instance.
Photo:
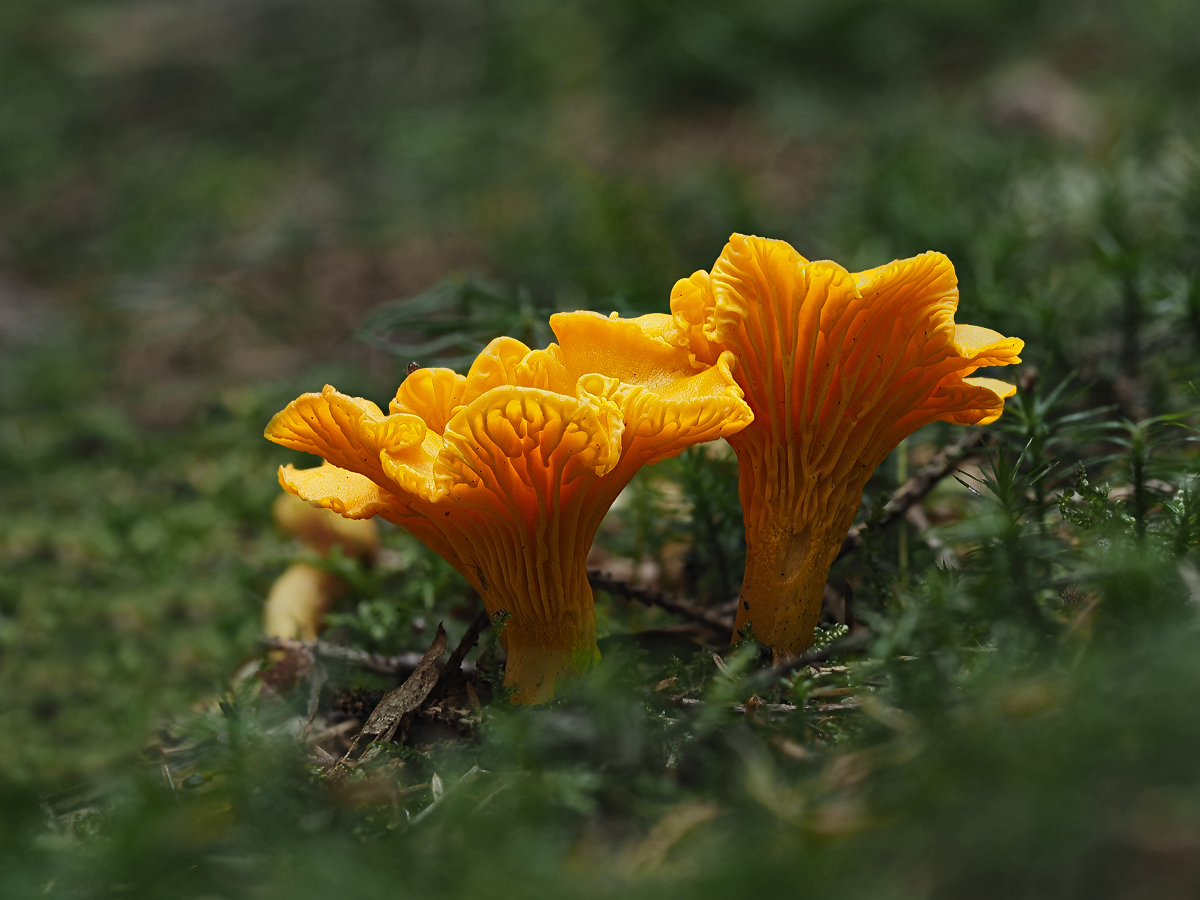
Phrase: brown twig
(651, 597)
(692, 703)
(788, 666)
(915, 489)
(944, 555)
(476, 628)
(376, 662)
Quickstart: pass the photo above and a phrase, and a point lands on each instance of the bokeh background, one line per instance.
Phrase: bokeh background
(209, 206)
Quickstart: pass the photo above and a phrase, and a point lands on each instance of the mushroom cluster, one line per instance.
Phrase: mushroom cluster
(508, 471)
(838, 368)
(814, 374)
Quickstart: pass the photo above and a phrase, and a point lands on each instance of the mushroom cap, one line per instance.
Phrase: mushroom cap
(613, 392)
(818, 346)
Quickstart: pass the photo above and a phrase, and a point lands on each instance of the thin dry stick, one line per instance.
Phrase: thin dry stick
(476, 628)
(915, 489)
(376, 662)
(651, 597)
(837, 648)
(917, 519)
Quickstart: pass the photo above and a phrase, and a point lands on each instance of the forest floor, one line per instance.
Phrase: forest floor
(209, 208)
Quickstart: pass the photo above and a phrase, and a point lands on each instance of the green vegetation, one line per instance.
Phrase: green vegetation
(209, 207)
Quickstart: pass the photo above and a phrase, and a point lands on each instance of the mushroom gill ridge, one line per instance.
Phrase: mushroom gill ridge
(508, 471)
(838, 368)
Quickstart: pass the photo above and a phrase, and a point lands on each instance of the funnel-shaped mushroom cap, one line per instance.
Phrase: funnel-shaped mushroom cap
(838, 367)
(508, 470)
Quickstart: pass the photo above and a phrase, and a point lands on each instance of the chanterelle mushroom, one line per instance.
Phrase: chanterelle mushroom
(508, 471)
(300, 597)
(838, 367)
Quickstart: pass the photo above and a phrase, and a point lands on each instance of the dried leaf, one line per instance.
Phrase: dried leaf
(411, 694)
(404, 699)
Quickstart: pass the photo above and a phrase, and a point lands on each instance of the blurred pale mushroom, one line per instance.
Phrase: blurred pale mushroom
(323, 529)
(299, 599)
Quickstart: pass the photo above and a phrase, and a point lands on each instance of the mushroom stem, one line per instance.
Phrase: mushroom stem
(781, 601)
(528, 561)
(791, 541)
(541, 652)
(550, 629)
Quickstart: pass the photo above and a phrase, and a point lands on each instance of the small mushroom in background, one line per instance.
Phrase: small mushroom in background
(508, 471)
(323, 529)
(300, 597)
(298, 600)
(838, 367)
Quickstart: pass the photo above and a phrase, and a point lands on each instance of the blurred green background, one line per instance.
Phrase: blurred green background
(203, 201)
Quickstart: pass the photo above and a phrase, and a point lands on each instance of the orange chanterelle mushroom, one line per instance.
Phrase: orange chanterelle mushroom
(508, 471)
(838, 367)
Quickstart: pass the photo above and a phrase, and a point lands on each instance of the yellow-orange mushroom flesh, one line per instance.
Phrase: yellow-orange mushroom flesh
(299, 599)
(838, 368)
(508, 471)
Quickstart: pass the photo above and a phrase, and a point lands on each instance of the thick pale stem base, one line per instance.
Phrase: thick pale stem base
(784, 585)
(534, 671)
(546, 637)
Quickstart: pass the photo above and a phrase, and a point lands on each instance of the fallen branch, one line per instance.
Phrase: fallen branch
(846, 644)
(690, 703)
(478, 625)
(915, 489)
(376, 662)
(944, 555)
(651, 597)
